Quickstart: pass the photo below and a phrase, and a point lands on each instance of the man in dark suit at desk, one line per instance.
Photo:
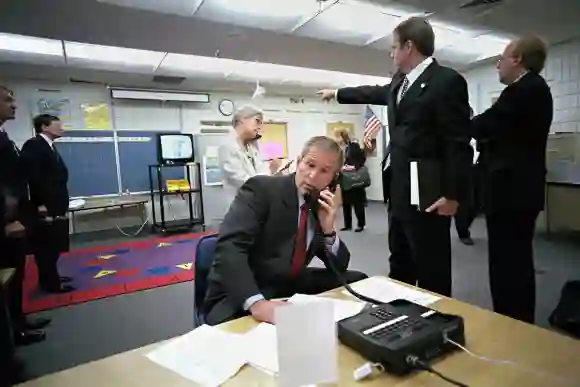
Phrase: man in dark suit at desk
(273, 229)
(14, 221)
(47, 178)
(513, 133)
(428, 116)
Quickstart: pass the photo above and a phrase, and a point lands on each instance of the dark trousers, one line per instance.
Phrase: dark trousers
(354, 198)
(463, 219)
(311, 280)
(13, 256)
(420, 247)
(47, 244)
(512, 279)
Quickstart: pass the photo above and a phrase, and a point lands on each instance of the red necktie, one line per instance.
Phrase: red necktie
(299, 255)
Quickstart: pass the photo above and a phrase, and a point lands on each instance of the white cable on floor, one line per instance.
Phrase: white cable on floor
(527, 369)
(136, 232)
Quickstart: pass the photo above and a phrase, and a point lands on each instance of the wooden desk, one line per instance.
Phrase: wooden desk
(488, 334)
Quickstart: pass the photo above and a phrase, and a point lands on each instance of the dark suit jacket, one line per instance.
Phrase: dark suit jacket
(12, 177)
(513, 135)
(430, 123)
(254, 249)
(47, 176)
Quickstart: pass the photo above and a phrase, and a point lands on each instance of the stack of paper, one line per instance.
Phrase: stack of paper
(261, 347)
(385, 290)
(342, 308)
(200, 356)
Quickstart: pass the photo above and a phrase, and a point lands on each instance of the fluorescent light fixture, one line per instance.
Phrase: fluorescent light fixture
(114, 55)
(482, 46)
(352, 22)
(159, 95)
(30, 45)
(176, 7)
(193, 64)
(278, 15)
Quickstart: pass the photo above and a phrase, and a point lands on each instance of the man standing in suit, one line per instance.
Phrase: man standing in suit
(428, 115)
(513, 133)
(274, 228)
(14, 223)
(47, 178)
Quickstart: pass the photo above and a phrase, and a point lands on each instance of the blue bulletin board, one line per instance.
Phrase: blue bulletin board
(90, 158)
(138, 150)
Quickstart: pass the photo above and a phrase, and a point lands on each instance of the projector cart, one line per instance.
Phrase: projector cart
(160, 194)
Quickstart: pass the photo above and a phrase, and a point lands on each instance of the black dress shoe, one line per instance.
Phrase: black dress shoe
(359, 229)
(23, 338)
(60, 289)
(34, 324)
(467, 241)
(346, 229)
(65, 279)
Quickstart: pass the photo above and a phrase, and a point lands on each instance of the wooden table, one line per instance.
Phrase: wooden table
(488, 334)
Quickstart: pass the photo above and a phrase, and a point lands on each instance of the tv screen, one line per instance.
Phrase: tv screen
(175, 148)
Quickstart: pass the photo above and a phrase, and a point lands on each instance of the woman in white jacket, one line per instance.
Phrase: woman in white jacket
(240, 158)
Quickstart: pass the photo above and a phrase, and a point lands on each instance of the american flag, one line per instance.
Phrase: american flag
(372, 124)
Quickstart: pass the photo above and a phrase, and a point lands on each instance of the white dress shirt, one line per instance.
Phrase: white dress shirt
(414, 74)
(331, 243)
(47, 139)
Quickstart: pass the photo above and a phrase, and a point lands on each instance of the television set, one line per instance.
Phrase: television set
(174, 148)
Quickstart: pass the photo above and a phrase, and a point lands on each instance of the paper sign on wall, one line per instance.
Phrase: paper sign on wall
(271, 150)
(96, 115)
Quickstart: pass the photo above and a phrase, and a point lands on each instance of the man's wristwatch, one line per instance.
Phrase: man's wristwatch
(329, 235)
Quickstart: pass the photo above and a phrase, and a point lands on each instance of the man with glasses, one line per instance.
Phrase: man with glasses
(513, 135)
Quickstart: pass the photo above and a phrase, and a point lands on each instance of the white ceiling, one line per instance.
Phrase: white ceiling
(343, 35)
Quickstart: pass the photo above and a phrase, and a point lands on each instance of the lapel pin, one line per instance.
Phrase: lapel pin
(423, 85)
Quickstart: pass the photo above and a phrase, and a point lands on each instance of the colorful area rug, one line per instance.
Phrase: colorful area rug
(113, 270)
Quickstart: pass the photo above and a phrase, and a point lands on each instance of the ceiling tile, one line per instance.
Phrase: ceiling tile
(339, 24)
(181, 64)
(175, 7)
(281, 15)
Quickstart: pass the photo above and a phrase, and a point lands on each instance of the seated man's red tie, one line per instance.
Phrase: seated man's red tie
(299, 255)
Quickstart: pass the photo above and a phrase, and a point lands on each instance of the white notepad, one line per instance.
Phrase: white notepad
(385, 290)
(206, 355)
(307, 344)
(342, 308)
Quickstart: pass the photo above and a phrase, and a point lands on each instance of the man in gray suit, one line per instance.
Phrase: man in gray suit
(273, 229)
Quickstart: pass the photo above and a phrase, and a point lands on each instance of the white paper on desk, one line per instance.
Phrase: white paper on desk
(385, 290)
(307, 344)
(76, 203)
(414, 173)
(206, 355)
(262, 348)
(342, 308)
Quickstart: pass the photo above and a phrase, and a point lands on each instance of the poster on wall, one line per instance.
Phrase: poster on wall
(211, 167)
(96, 116)
(55, 106)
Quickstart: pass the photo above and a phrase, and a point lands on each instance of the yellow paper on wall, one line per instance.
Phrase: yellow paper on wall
(96, 115)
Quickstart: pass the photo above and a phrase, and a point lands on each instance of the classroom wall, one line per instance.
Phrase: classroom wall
(305, 117)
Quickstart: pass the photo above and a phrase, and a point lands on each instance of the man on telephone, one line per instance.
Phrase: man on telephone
(273, 229)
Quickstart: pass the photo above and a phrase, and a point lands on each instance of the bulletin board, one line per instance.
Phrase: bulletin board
(331, 127)
(274, 141)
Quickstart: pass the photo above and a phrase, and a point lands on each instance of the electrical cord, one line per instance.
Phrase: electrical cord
(559, 380)
(417, 363)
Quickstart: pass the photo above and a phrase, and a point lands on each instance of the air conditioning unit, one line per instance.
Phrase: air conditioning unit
(159, 95)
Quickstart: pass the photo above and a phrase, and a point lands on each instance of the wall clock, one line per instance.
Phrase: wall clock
(226, 107)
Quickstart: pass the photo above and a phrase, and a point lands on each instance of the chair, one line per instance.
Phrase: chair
(204, 253)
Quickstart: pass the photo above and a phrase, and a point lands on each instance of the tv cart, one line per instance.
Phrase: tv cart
(158, 192)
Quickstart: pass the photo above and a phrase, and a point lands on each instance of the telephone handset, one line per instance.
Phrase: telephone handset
(313, 196)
